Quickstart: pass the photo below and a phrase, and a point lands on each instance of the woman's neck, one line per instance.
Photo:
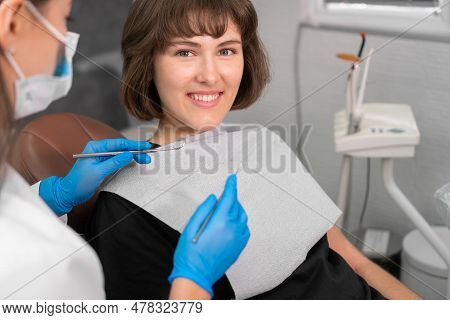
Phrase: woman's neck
(169, 132)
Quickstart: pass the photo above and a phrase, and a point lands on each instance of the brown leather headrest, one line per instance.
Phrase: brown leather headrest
(45, 148)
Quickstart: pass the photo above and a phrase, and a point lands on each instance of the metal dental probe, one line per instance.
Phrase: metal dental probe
(172, 147)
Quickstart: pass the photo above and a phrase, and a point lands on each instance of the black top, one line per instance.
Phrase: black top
(136, 251)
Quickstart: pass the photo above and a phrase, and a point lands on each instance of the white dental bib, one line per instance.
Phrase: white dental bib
(287, 210)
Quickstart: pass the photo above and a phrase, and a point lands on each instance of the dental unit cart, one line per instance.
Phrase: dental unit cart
(380, 131)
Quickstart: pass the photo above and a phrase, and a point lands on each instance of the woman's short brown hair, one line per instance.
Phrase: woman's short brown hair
(152, 24)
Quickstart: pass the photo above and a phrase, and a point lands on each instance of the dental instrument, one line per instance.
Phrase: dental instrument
(357, 111)
(363, 44)
(351, 127)
(348, 57)
(172, 147)
(203, 225)
(205, 222)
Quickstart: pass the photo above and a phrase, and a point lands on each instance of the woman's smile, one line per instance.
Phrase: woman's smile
(205, 99)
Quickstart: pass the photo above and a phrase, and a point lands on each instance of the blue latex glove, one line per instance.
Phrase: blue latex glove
(85, 177)
(220, 244)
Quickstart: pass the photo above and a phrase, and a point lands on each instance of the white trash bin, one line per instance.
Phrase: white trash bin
(423, 270)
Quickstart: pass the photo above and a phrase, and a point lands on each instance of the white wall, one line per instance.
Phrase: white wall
(278, 24)
(406, 71)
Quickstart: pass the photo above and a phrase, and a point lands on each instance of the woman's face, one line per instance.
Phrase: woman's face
(35, 50)
(198, 79)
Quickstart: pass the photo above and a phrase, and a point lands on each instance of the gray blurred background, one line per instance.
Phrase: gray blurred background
(95, 92)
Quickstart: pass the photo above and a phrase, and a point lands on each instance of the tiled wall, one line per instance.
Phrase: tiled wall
(406, 71)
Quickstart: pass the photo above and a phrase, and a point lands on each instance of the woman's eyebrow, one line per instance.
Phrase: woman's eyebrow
(197, 45)
(229, 42)
(186, 43)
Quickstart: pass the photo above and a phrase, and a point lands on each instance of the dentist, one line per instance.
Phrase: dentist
(41, 258)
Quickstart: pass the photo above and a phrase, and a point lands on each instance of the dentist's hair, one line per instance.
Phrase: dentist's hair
(152, 24)
(6, 124)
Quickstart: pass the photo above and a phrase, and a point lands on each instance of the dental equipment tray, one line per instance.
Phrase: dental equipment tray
(385, 131)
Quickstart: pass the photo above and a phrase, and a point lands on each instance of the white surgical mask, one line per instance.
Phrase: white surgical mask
(36, 93)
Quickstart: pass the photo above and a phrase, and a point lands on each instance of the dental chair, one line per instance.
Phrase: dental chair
(45, 148)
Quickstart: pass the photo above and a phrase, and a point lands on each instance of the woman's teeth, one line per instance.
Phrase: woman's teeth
(204, 98)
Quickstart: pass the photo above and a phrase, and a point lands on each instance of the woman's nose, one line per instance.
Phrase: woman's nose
(208, 72)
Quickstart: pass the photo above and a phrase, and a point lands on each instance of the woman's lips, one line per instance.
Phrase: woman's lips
(205, 100)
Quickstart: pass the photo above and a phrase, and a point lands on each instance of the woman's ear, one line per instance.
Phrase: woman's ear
(10, 22)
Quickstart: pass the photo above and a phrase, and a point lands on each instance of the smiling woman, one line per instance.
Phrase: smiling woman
(189, 63)
(191, 84)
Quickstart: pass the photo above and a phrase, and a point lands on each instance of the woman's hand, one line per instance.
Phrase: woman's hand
(220, 244)
(86, 176)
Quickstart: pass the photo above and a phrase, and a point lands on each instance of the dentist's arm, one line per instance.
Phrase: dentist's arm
(197, 266)
(63, 193)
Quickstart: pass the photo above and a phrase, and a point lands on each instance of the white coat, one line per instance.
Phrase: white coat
(40, 257)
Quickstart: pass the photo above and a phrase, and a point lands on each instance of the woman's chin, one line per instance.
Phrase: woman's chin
(206, 125)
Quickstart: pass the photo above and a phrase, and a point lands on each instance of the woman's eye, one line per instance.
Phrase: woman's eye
(184, 53)
(226, 52)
